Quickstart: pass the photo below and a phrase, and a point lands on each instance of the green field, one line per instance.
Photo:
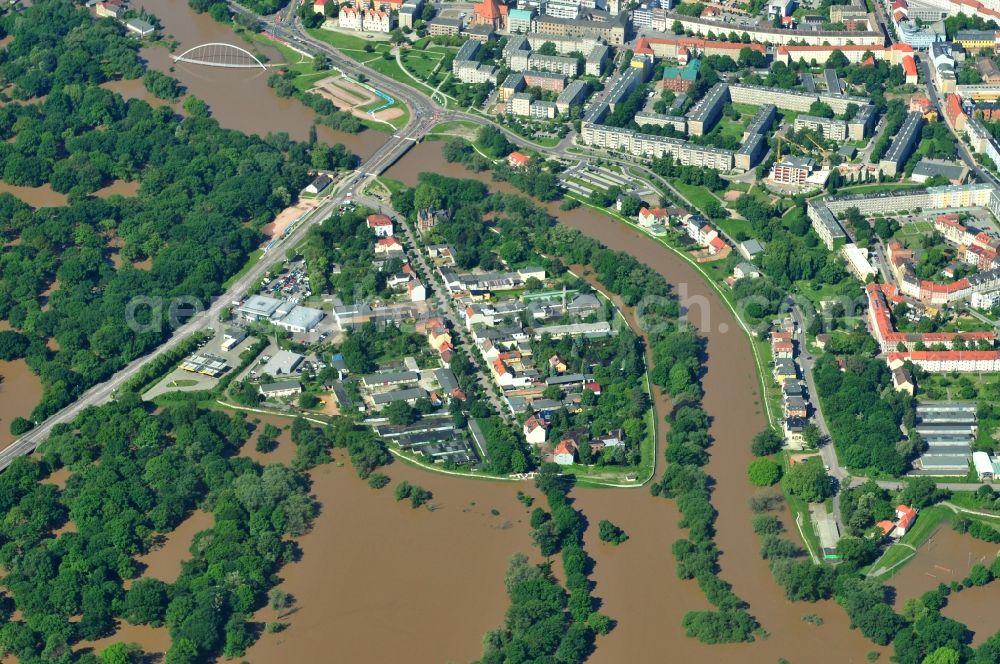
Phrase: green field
(697, 194)
(454, 127)
(347, 43)
(421, 63)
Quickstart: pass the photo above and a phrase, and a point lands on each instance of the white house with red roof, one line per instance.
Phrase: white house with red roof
(565, 452)
(535, 429)
(319, 6)
(380, 224)
(649, 217)
(387, 245)
(905, 516)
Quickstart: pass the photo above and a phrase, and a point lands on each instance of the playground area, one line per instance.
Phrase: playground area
(359, 99)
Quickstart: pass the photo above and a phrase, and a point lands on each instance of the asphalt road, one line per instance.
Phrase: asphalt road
(380, 160)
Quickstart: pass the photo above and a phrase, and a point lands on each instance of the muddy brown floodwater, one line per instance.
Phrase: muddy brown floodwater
(381, 582)
(637, 581)
(239, 98)
(36, 197)
(946, 556)
(20, 390)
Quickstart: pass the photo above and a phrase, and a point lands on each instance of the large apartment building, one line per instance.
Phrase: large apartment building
(828, 128)
(595, 24)
(646, 145)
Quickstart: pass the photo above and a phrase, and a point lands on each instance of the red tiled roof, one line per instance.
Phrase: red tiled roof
(518, 159)
(717, 243)
(490, 10)
(643, 45)
(909, 66)
(533, 423)
(886, 526)
(593, 386)
(944, 355)
(378, 220)
(566, 446)
(953, 287)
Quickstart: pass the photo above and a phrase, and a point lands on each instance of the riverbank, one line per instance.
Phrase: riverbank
(650, 617)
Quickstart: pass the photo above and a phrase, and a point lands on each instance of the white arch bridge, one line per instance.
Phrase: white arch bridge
(216, 54)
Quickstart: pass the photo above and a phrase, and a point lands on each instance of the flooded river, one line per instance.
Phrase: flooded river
(382, 582)
(20, 390)
(946, 556)
(637, 582)
(36, 197)
(239, 98)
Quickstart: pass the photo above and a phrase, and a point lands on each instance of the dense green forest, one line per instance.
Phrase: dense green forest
(220, 11)
(136, 476)
(204, 193)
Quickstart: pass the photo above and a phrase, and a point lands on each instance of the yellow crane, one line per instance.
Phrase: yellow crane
(823, 151)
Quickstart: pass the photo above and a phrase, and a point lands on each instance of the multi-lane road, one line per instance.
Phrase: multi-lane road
(424, 115)
(377, 163)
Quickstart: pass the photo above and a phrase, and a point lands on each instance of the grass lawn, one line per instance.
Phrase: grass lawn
(454, 127)
(343, 42)
(927, 522)
(697, 194)
(421, 64)
(183, 382)
(391, 69)
(731, 128)
(733, 227)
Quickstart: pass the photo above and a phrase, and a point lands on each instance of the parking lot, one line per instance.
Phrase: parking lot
(180, 380)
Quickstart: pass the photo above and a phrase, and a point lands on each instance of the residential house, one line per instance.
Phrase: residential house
(416, 291)
(109, 9)
(319, 183)
(750, 249)
(380, 224)
(428, 219)
(614, 438)
(565, 451)
(746, 271)
(796, 407)
(557, 364)
(388, 245)
(782, 349)
(535, 429)
(518, 159)
(652, 217)
(794, 431)
(905, 516)
(785, 369)
(902, 380)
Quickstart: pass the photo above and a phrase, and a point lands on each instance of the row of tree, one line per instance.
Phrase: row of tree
(205, 192)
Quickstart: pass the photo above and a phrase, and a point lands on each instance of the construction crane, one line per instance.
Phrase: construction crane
(823, 151)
